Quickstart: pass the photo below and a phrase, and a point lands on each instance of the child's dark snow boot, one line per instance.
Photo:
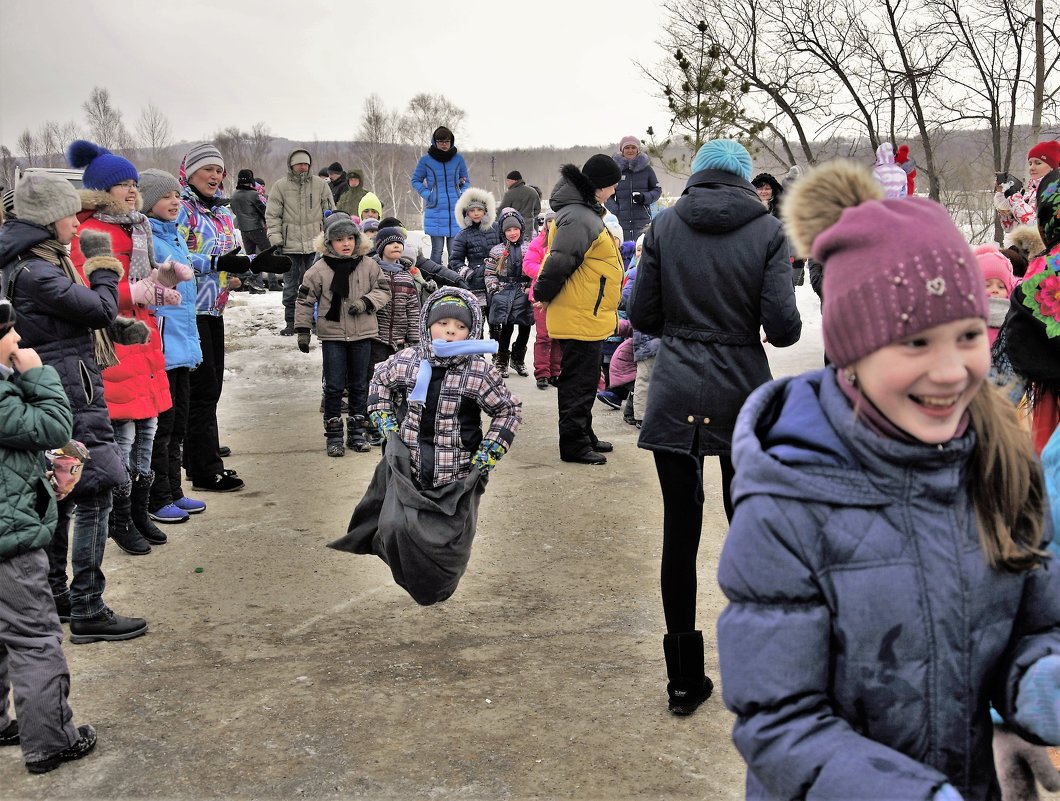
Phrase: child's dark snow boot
(371, 434)
(333, 437)
(120, 525)
(141, 497)
(355, 435)
(519, 362)
(688, 685)
(501, 362)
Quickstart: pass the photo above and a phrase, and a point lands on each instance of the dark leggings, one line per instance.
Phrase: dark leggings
(681, 481)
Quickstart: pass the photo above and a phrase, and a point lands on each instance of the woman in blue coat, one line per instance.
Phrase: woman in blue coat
(886, 568)
(439, 178)
(637, 190)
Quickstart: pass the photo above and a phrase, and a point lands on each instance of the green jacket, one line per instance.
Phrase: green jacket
(349, 199)
(294, 214)
(34, 416)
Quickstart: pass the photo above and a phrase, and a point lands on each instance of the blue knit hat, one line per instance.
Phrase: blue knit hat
(102, 168)
(724, 154)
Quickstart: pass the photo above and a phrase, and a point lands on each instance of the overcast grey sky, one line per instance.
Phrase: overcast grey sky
(528, 74)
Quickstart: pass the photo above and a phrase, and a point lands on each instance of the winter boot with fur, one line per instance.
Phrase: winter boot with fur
(120, 525)
(333, 437)
(141, 498)
(688, 685)
(355, 438)
(500, 361)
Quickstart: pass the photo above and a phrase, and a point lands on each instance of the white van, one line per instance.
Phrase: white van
(73, 176)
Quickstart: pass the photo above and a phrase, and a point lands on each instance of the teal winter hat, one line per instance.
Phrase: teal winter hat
(724, 154)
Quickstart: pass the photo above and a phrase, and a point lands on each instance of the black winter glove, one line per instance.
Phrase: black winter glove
(127, 331)
(359, 306)
(94, 243)
(232, 262)
(303, 341)
(268, 261)
(638, 198)
(1019, 763)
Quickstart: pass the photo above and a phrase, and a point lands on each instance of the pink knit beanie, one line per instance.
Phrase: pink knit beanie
(995, 264)
(628, 140)
(892, 268)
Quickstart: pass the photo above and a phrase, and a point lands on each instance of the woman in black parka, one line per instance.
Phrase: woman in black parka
(714, 269)
(637, 189)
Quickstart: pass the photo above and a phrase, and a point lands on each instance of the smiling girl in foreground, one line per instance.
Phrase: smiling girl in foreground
(884, 565)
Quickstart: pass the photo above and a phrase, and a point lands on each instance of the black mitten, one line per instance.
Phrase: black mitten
(127, 331)
(232, 262)
(94, 243)
(269, 261)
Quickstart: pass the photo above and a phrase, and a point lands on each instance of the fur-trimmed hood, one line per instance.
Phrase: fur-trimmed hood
(425, 347)
(362, 247)
(484, 197)
(1027, 239)
(93, 200)
(574, 187)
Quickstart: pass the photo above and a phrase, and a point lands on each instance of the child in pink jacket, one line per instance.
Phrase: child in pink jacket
(547, 355)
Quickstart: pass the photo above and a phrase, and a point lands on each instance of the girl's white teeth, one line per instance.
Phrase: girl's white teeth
(936, 401)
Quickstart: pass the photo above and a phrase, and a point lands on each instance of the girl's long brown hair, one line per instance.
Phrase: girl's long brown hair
(1007, 485)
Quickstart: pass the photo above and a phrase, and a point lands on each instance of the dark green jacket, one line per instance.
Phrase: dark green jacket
(34, 416)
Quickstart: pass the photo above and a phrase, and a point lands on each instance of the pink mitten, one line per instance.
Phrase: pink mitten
(171, 273)
(148, 292)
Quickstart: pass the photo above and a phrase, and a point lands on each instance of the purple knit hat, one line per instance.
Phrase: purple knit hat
(892, 268)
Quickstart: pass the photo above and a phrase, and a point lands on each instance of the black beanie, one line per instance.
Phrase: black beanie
(450, 306)
(335, 167)
(245, 177)
(7, 316)
(514, 175)
(601, 171)
(391, 222)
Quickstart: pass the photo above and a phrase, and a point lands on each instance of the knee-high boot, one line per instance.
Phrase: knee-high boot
(120, 526)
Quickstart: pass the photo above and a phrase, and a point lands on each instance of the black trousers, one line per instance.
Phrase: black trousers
(169, 441)
(576, 393)
(201, 442)
(503, 335)
(681, 481)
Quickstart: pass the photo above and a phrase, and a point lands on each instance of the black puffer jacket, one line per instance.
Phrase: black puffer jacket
(713, 269)
(56, 317)
(249, 210)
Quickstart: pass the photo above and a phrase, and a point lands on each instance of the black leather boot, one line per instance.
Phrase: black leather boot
(688, 685)
(141, 499)
(120, 525)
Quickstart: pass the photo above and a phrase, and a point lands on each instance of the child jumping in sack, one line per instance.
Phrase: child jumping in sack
(419, 513)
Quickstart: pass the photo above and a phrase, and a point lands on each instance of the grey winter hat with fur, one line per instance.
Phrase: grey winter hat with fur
(154, 185)
(43, 198)
(338, 225)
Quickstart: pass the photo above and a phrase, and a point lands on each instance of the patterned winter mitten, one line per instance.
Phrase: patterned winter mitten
(1020, 765)
(171, 273)
(384, 422)
(148, 292)
(1038, 699)
(488, 454)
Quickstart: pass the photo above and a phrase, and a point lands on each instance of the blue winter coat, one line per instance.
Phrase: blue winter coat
(470, 248)
(637, 176)
(440, 184)
(56, 317)
(176, 324)
(713, 270)
(866, 635)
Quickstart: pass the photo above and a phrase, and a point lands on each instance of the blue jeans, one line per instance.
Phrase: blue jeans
(89, 513)
(437, 242)
(292, 279)
(346, 366)
(136, 438)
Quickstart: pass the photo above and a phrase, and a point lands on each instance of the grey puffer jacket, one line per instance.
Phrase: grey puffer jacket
(866, 635)
(714, 268)
(295, 211)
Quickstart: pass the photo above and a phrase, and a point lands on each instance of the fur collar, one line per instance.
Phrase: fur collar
(481, 195)
(94, 200)
(577, 179)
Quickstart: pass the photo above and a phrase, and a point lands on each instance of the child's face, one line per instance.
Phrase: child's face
(513, 234)
(995, 288)
(449, 329)
(168, 207)
(476, 214)
(344, 245)
(1036, 168)
(924, 383)
(393, 251)
(370, 214)
(65, 229)
(8, 346)
(639, 248)
(126, 192)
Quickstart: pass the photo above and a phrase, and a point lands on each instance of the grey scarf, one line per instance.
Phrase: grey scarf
(142, 259)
